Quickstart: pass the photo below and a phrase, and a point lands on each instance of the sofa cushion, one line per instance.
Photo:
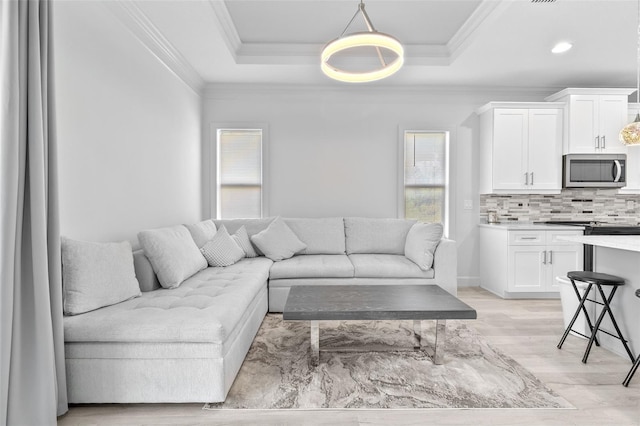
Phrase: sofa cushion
(205, 308)
(172, 253)
(321, 235)
(222, 250)
(313, 266)
(422, 240)
(95, 275)
(278, 241)
(386, 266)
(202, 232)
(242, 239)
(373, 235)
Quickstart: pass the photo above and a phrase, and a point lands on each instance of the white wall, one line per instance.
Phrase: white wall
(334, 151)
(129, 131)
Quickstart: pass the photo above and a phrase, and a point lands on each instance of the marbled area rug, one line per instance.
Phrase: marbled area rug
(277, 374)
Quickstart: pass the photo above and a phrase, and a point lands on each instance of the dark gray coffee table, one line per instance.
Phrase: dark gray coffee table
(376, 302)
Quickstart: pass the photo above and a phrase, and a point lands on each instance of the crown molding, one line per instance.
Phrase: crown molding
(487, 12)
(307, 53)
(227, 27)
(156, 43)
(418, 92)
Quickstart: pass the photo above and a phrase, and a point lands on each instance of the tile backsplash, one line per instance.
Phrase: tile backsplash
(603, 205)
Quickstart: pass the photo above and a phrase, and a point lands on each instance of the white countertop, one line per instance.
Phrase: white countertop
(622, 242)
(530, 226)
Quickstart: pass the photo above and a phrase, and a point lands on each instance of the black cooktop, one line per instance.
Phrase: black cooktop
(600, 228)
(591, 223)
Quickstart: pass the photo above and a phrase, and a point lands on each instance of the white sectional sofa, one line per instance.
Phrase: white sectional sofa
(187, 344)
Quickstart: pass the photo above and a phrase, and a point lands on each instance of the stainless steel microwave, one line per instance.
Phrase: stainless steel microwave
(594, 170)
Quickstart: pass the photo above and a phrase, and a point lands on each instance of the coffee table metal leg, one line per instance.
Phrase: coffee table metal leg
(435, 352)
(441, 337)
(417, 333)
(315, 343)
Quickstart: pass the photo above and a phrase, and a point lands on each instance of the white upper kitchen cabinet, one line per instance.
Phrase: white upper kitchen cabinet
(594, 119)
(521, 147)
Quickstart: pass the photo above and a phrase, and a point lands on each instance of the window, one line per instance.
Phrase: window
(239, 180)
(425, 195)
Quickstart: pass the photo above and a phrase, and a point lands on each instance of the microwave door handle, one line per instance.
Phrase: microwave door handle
(618, 170)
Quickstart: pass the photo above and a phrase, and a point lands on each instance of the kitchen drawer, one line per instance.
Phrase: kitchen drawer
(552, 237)
(526, 238)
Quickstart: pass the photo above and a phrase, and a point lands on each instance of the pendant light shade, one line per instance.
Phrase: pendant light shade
(373, 39)
(630, 134)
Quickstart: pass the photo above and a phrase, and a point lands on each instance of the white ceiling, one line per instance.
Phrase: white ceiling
(488, 43)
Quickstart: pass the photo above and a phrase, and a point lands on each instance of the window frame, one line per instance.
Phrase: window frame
(213, 162)
(448, 213)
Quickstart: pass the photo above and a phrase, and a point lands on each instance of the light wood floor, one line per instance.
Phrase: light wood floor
(527, 330)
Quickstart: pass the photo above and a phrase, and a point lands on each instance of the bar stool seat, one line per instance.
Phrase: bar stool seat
(635, 364)
(597, 280)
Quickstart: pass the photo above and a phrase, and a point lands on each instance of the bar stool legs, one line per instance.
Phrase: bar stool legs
(606, 309)
(635, 364)
(631, 372)
(582, 307)
(598, 280)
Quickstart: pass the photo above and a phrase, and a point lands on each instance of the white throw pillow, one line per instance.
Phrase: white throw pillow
(222, 250)
(422, 240)
(278, 242)
(96, 275)
(172, 253)
(242, 239)
(202, 232)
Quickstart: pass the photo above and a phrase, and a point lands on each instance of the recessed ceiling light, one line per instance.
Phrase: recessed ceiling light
(561, 47)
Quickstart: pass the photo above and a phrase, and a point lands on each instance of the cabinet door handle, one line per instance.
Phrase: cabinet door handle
(597, 142)
(531, 178)
(526, 178)
(528, 238)
(550, 257)
(544, 257)
(604, 141)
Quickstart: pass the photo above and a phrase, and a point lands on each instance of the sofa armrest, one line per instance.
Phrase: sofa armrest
(144, 272)
(445, 266)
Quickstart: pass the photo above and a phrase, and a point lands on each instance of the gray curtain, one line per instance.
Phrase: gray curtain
(32, 374)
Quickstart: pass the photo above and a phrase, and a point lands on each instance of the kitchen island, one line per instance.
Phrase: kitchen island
(618, 255)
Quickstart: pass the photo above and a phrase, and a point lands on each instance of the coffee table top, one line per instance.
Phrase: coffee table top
(374, 302)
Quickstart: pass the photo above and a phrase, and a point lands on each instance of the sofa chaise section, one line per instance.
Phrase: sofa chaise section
(169, 345)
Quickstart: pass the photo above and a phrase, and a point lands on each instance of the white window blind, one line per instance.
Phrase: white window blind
(425, 175)
(239, 180)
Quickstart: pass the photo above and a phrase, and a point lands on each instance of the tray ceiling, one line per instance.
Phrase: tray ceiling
(448, 42)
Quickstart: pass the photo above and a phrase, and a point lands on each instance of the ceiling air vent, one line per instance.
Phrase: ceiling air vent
(543, 1)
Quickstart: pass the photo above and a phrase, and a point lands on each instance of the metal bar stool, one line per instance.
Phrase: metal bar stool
(598, 280)
(635, 364)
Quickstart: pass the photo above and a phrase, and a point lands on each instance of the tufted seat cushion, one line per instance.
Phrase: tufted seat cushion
(205, 308)
(313, 266)
(387, 266)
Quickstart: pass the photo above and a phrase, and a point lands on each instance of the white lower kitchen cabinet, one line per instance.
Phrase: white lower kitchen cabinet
(523, 261)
